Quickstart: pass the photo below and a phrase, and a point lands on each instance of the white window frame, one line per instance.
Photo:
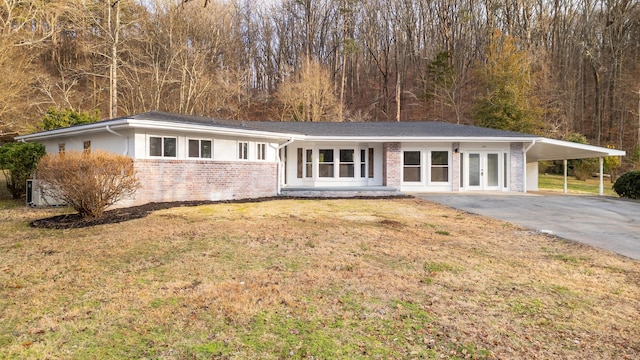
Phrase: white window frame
(352, 163)
(261, 151)
(430, 166)
(162, 150)
(364, 164)
(307, 163)
(243, 150)
(199, 140)
(420, 166)
(331, 163)
(336, 163)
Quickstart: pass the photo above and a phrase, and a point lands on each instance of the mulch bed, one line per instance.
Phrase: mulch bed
(75, 221)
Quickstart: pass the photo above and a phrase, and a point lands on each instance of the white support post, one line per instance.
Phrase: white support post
(601, 176)
(564, 164)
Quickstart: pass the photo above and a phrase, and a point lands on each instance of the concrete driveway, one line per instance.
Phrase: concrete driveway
(609, 223)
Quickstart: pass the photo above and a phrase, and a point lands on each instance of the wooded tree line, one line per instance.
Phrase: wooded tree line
(554, 67)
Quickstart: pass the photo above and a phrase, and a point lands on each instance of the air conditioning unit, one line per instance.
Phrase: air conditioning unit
(35, 197)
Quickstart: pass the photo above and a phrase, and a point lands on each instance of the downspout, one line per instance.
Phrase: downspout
(280, 165)
(524, 165)
(126, 140)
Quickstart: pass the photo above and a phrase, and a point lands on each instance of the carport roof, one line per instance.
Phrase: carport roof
(550, 149)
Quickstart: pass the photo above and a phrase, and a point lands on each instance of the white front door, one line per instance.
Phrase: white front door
(483, 171)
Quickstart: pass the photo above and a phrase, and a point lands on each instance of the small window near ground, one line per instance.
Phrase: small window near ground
(200, 148)
(86, 146)
(243, 150)
(261, 151)
(412, 167)
(325, 160)
(439, 166)
(163, 146)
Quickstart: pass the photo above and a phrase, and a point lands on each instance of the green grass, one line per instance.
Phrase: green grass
(555, 183)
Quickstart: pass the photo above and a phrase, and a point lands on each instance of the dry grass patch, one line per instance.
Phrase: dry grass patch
(299, 279)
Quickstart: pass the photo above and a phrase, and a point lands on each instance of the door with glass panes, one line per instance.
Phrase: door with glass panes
(484, 171)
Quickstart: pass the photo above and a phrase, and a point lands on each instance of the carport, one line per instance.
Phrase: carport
(549, 149)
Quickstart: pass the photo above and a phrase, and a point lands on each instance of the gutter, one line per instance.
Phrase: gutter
(126, 140)
(280, 165)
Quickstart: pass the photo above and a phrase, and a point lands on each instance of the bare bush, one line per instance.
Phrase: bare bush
(88, 182)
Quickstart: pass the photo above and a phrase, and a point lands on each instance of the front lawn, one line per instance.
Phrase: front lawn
(302, 279)
(555, 183)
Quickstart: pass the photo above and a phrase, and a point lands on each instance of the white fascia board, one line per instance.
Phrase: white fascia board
(592, 148)
(73, 130)
(416, 139)
(126, 123)
(220, 130)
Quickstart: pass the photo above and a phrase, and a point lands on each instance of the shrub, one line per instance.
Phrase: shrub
(17, 161)
(88, 182)
(628, 185)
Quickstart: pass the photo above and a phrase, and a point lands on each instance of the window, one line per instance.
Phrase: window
(200, 148)
(243, 150)
(162, 146)
(325, 160)
(461, 170)
(505, 172)
(308, 164)
(347, 166)
(87, 147)
(61, 148)
(411, 169)
(363, 163)
(300, 159)
(261, 151)
(439, 166)
(370, 174)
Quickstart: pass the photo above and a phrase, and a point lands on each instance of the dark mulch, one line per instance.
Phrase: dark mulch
(74, 221)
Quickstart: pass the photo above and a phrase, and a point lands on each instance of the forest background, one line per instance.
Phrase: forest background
(552, 67)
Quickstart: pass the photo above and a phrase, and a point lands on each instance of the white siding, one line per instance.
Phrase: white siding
(532, 176)
(104, 141)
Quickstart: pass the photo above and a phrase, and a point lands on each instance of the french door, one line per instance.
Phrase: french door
(484, 171)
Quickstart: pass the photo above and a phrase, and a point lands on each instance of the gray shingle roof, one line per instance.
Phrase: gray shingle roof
(340, 129)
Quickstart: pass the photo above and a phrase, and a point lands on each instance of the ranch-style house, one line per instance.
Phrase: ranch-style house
(180, 157)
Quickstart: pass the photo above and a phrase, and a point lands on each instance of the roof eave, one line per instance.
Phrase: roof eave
(494, 139)
(73, 130)
(212, 129)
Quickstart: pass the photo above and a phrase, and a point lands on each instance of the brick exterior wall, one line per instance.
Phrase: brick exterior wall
(517, 167)
(183, 180)
(391, 165)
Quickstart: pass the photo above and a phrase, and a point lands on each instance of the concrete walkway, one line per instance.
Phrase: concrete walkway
(608, 223)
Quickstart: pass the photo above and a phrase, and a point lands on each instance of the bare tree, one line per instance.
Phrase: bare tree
(308, 96)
